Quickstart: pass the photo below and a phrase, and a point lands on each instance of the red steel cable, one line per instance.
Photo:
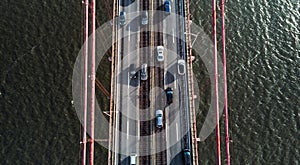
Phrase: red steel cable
(225, 85)
(216, 103)
(85, 60)
(92, 93)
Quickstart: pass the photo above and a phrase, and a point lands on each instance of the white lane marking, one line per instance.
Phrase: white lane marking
(117, 144)
(177, 131)
(138, 129)
(175, 81)
(173, 35)
(127, 128)
(128, 79)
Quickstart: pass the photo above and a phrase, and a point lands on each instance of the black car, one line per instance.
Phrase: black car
(169, 93)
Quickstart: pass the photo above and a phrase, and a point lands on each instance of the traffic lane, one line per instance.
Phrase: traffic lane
(130, 56)
(122, 77)
(124, 37)
(171, 32)
(173, 110)
(173, 130)
(173, 113)
(124, 104)
(176, 156)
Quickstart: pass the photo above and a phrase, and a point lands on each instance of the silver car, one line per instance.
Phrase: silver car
(122, 18)
(160, 53)
(145, 18)
(181, 67)
(144, 72)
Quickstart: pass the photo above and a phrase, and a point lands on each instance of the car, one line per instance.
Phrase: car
(145, 18)
(160, 53)
(122, 18)
(132, 71)
(144, 72)
(159, 118)
(187, 156)
(168, 7)
(132, 159)
(181, 67)
(169, 93)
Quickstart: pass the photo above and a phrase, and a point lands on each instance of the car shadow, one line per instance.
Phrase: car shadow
(169, 77)
(125, 3)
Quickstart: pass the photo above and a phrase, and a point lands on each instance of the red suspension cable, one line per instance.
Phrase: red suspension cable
(92, 76)
(216, 103)
(85, 61)
(225, 84)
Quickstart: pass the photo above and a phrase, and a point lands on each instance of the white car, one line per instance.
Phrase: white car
(181, 67)
(132, 159)
(160, 53)
(159, 118)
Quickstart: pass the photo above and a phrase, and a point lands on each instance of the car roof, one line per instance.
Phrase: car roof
(160, 47)
(180, 61)
(159, 111)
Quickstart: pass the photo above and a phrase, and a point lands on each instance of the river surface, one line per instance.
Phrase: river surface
(39, 44)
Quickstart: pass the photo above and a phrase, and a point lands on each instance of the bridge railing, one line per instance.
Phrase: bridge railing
(112, 120)
(192, 96)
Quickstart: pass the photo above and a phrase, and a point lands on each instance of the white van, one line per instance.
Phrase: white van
(132, 158)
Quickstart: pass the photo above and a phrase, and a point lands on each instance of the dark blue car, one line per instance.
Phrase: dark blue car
(169, 92)
(168, 7)
(187, 156)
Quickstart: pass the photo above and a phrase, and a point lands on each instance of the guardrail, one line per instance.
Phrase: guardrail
(190, 59)
(112, 109)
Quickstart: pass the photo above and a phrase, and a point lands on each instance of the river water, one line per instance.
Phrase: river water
(39, 44)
